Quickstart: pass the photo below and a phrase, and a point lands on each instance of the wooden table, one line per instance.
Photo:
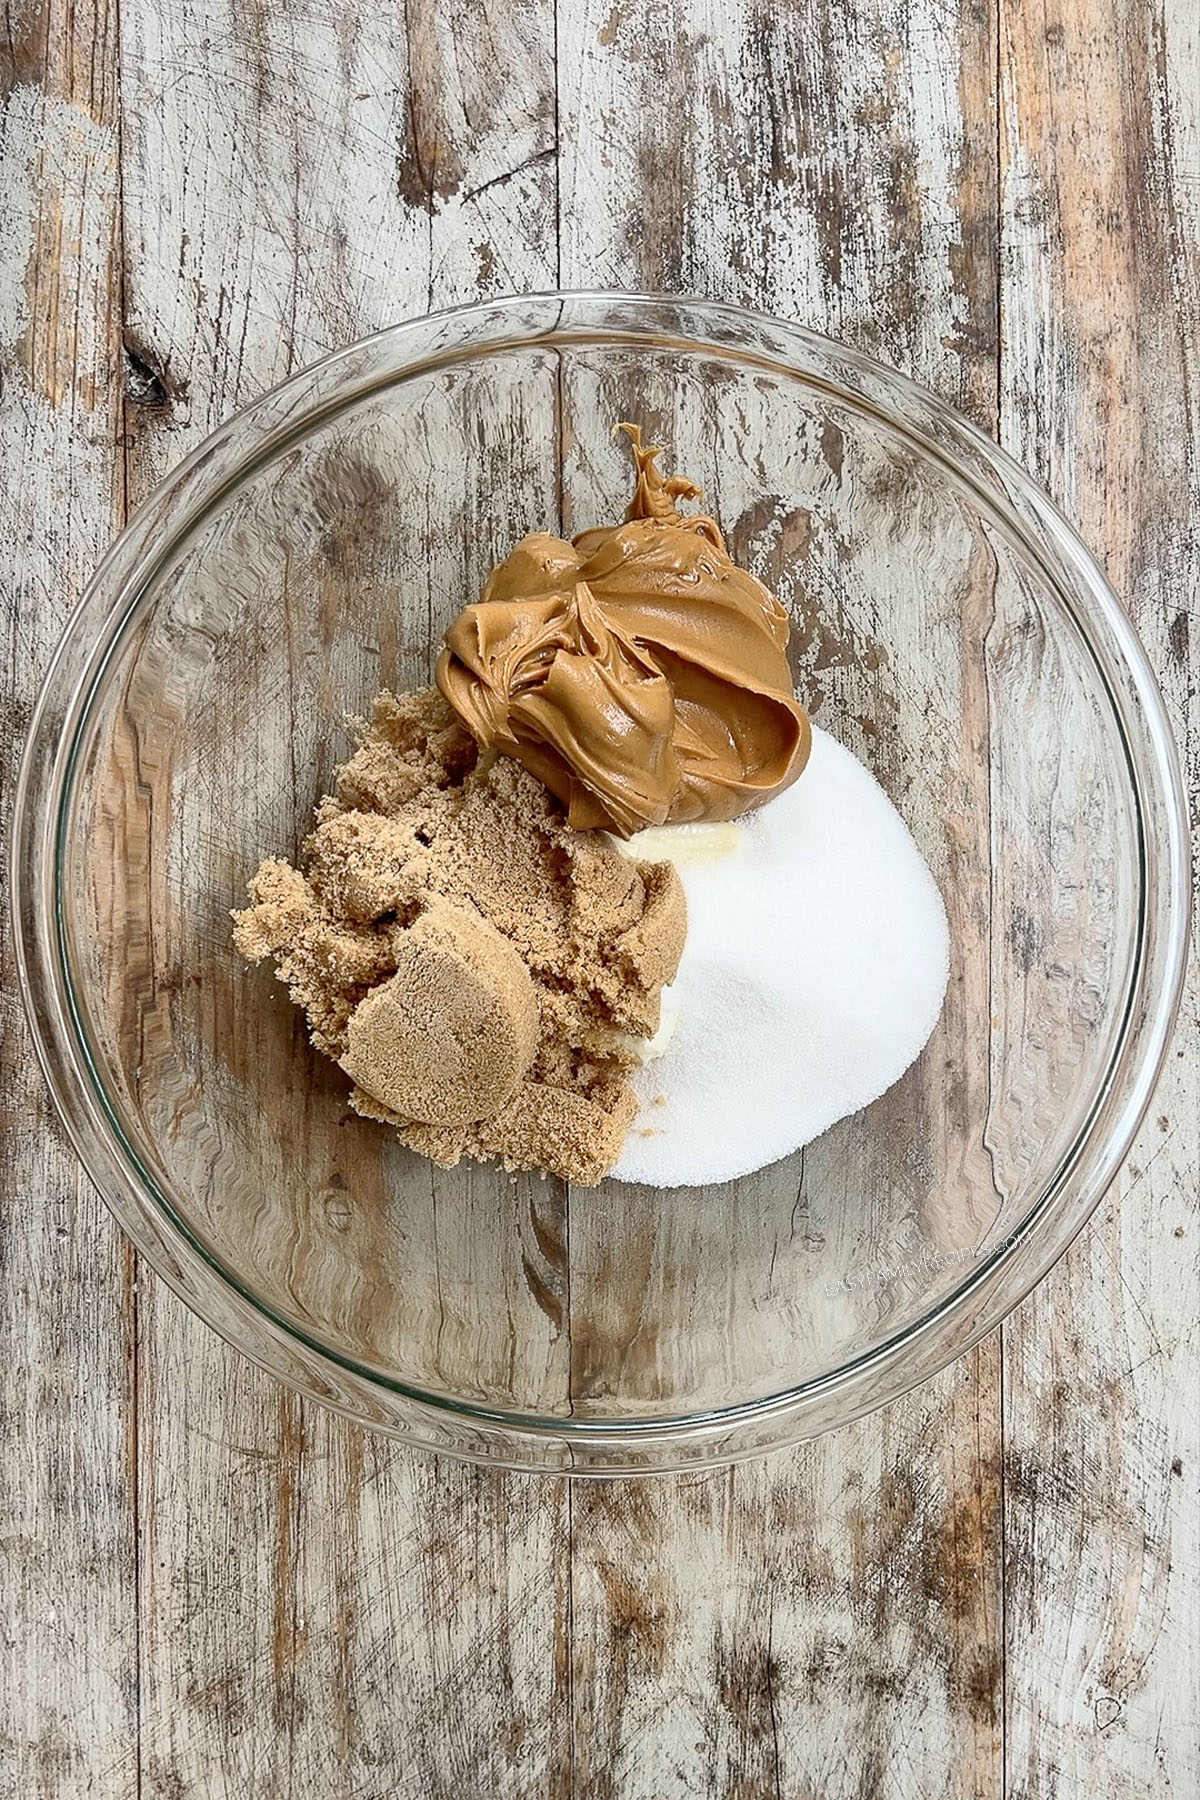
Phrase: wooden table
(211, 1589)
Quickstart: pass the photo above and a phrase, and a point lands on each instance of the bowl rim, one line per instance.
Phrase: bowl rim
(269, 424)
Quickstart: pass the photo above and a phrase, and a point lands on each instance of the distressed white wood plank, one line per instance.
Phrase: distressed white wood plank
(828, 1622)
(1101, 303)
(294, 179)
(434, 1627)
(832, 164)
(825, 1623)
(314, 1600)
(68, 1653)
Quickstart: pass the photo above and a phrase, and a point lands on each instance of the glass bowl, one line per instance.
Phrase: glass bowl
(949, 629)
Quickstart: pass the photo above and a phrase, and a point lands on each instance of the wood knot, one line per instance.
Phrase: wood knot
(149, 383)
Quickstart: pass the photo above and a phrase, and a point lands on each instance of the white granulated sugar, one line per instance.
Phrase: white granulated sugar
(815, 967)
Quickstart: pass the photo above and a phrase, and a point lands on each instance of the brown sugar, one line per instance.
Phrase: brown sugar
(481, 970)
(450, 1036)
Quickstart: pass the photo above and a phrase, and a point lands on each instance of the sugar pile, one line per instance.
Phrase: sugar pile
(815, 966)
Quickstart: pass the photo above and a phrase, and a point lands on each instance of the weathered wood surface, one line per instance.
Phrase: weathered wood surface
(1100, 317)
(211, 1589)
(68, 1476)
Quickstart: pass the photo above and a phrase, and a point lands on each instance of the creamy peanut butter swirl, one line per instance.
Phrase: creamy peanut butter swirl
(636, 671)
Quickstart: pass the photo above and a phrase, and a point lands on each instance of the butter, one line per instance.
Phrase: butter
(679, 844)
(648, 1050)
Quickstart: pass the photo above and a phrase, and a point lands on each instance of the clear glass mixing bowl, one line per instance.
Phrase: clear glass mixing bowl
(949, 629)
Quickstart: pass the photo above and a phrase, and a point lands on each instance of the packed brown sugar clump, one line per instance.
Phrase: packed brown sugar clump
(481, 971)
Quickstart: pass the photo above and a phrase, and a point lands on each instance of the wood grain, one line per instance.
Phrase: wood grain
(1101, 314)
(211, 1589)
(68, 1477)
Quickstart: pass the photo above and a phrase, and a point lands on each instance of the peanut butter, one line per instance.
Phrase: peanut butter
(636, 671)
